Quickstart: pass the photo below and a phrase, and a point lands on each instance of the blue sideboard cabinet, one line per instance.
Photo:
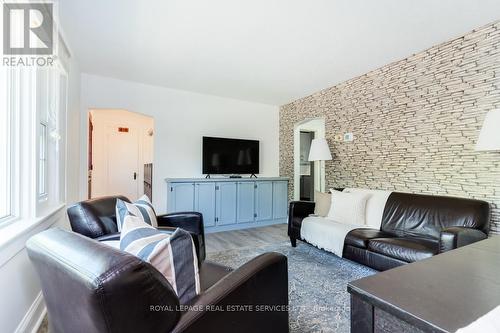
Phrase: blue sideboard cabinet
(228, 204)
(204, 197)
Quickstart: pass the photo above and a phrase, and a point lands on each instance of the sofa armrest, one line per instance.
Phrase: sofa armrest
(189, 221)
(301, 208)
(253, 298)
(454, 237)
(298, 210)
(115, 236)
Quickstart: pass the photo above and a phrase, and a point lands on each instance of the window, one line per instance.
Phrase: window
(5, 149)
(42, 161)
(33, 103)
(32, 116)
(51, 110)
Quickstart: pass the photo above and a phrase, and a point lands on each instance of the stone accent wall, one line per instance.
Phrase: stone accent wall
(415, 123)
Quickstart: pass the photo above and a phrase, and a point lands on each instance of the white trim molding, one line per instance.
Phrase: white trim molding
(15, 235)
(316, 125)
(33, 318)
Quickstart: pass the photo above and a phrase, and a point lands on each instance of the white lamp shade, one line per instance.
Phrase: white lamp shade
(489, 138)
(319, 150)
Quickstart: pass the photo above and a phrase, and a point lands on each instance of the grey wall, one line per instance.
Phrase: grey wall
(415, 122)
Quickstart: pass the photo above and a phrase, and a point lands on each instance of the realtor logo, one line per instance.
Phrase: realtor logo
(28, 29)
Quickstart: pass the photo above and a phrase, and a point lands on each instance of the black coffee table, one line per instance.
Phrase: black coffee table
(439, 294)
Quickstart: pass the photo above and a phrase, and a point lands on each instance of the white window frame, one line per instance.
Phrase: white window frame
(43, 161)
(12, 107)
(8, 148)
(54, 171)
(22, 85)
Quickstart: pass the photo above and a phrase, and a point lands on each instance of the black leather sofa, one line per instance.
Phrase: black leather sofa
(94, 288)
(96, 218)
(413, 227)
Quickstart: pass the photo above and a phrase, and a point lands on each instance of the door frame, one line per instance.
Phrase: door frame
(317, 126)
(135, 121)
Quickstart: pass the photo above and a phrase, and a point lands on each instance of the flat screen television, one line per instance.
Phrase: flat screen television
(230, 156)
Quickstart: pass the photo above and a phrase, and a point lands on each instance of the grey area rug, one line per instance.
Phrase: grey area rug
(319, 301)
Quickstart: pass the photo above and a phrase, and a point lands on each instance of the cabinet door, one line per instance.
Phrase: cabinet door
(264, 201)
(181, 197)
(204, 202)
(280, 199)
(246, 202)
(226, 203)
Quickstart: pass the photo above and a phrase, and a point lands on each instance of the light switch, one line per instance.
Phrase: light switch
(348, 137)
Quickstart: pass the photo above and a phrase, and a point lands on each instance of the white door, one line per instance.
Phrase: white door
(123, 162)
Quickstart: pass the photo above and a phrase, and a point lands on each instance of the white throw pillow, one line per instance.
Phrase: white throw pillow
(349, 208)
(323, 202)
(375, 205)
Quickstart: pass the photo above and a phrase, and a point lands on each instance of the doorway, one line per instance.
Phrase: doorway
(120, 150)
(308, 176)
(306, 167)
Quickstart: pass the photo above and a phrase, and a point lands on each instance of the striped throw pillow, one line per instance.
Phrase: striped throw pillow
(141, 208)
(172, 254)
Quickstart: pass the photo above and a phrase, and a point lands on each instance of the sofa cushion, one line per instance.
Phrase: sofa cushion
(349, 208)
(360, 237)
(325, 234)
(322, 201)
(406, 249)
(211, 273)
(375, 205)
(419, 215)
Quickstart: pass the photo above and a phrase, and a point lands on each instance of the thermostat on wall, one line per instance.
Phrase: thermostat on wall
(348, 137)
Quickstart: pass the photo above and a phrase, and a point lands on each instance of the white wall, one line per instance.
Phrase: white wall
(21, 302)
(181, 119)
(73, 135)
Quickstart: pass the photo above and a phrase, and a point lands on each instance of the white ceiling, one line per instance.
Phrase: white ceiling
(269, 51)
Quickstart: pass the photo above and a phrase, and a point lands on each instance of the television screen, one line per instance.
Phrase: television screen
(230, 156)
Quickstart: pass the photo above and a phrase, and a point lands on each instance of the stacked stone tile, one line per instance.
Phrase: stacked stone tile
(415, 122)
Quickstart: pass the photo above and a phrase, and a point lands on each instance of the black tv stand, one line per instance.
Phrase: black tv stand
(253, 175)
(207, 176)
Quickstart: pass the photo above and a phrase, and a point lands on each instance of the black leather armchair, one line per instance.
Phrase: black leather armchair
(90, 287)
(96, 218)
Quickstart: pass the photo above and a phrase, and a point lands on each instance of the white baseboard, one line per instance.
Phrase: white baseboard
(34, 317)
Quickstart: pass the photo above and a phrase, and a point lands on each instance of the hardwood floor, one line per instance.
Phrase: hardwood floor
(230, 240)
